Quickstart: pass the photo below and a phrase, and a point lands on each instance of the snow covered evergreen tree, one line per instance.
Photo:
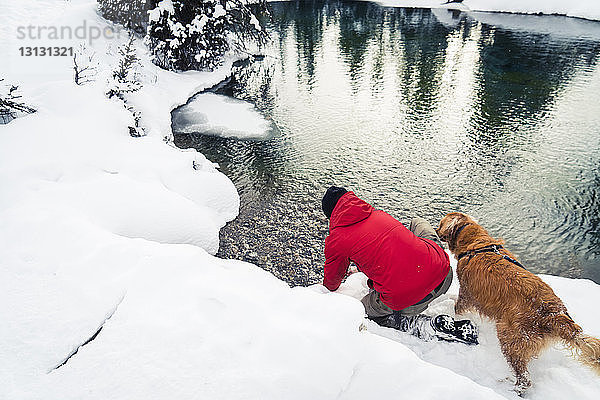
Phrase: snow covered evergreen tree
(124, 77)
(132, 14)
(195, 34)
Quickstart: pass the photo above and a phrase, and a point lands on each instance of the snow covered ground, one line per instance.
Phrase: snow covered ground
(589, 9)
(102, 230)
(554, 373)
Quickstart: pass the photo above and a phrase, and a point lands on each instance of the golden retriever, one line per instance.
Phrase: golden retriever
(528, 315)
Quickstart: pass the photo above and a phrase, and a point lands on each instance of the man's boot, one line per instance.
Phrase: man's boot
(442, 327)
(446, 328)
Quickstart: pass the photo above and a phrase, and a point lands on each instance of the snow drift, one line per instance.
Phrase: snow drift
(589, 9)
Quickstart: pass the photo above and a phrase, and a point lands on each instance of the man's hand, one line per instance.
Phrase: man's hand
(352, 269)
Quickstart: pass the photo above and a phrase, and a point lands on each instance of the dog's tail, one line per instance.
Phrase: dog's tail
(586, 348)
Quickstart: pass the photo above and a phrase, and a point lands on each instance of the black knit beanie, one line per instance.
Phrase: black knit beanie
(332, 195)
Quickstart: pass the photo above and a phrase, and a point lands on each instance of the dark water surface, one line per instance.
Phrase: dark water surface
(420, 112)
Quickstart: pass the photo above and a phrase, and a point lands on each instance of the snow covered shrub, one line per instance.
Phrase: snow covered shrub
(136, 130)
(10, 104)
(124, 78)
(85, 66)
(132, 14)
(195, 34)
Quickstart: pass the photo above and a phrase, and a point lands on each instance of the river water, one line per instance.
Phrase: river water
(419, 112)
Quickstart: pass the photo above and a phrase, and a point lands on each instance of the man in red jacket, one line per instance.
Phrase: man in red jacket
(407, 269)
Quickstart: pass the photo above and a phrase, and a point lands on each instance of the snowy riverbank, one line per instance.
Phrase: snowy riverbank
(102, 230)
(588, 9)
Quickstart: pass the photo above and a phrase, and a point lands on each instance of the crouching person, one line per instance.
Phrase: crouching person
(407, 268)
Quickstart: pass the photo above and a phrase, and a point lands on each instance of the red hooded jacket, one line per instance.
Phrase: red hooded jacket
(404, 268)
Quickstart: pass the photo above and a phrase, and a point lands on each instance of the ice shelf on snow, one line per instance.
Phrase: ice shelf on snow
(218, 115)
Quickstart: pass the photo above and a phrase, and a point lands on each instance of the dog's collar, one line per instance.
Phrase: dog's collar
(455, 234)
(459, 230)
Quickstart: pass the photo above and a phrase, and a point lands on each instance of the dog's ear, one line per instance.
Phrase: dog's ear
(442, 230)
(449, 225)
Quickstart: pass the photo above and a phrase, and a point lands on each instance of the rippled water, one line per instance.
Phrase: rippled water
(419, 112)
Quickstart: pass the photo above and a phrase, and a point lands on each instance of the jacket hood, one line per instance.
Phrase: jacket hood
(349, 210)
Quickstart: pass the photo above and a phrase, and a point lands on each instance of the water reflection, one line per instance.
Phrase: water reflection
(419, 112)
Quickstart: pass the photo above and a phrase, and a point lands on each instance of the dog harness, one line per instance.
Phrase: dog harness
(493, 248)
